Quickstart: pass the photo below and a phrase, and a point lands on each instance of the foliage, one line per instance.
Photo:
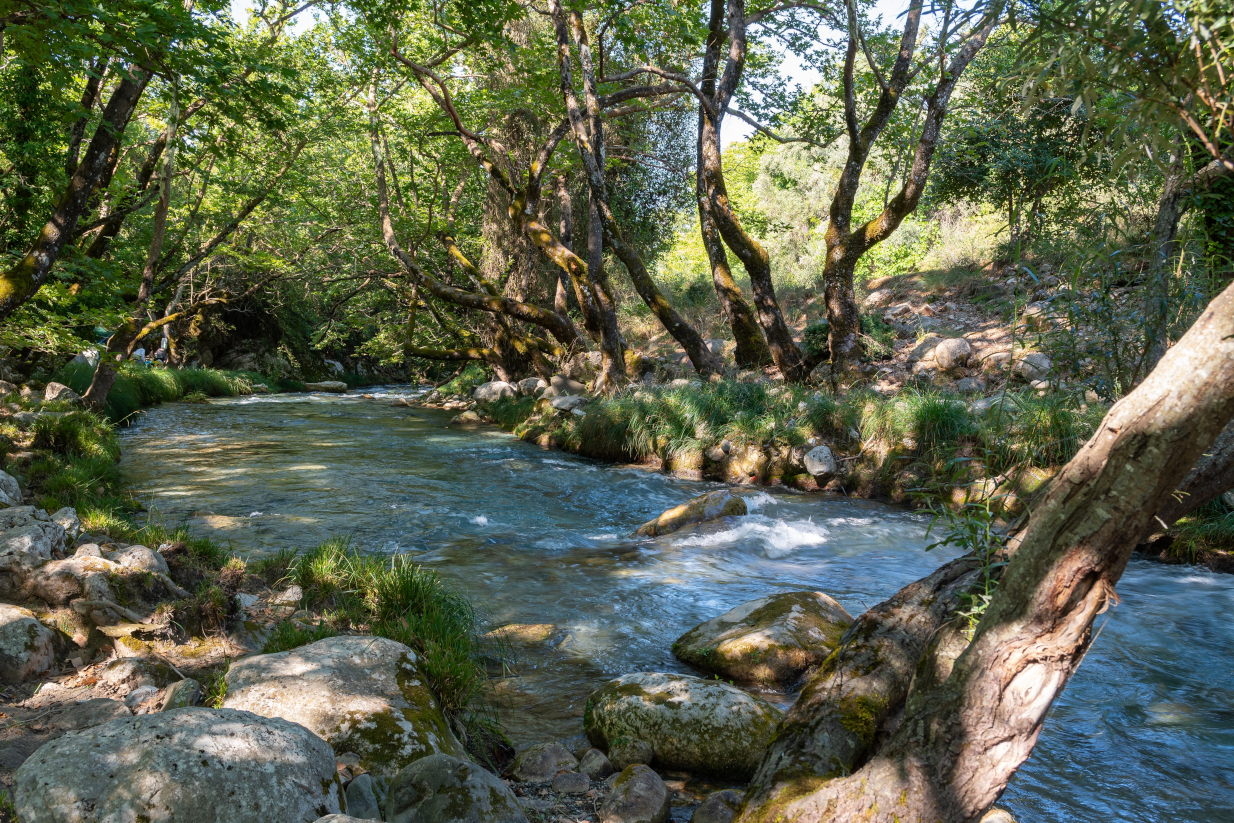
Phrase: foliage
(138, 386)
(291, 634)
(971, 528)
(1208, 528)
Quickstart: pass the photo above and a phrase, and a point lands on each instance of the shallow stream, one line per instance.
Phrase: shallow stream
(1144, 732)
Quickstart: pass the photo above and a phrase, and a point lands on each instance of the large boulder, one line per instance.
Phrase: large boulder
(78, 577)
(709, 506)
(444, 789)
(10, 491)
(528, 386)
(718, 807)
(560, 386)
(694, 725)
(332, 386)
(495, 390)
(58, 391)
(27, 647)
(952, 353)
(638, 796)
(188, 766)
(820, 462)
(361, 694)
(769, 642)
(140, 558)
(28, 537)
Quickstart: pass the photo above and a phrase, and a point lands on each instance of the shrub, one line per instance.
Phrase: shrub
(466, 381)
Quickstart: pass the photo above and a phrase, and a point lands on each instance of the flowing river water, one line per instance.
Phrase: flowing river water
(1144, 732)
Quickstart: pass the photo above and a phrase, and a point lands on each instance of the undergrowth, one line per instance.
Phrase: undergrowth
(139, 386)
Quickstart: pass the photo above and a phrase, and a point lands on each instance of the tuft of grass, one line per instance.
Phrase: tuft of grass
(290, 634)
(273, 568)
(76, 434)
(1209, 528)
(139, 386)
(214, 690)
(1040, 431)
(466, 381)
(934, 422)
(508, 412)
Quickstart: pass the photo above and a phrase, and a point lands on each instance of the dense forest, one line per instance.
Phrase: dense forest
(973, 258)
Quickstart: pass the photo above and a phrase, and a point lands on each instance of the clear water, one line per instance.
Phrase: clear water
(1145, 731)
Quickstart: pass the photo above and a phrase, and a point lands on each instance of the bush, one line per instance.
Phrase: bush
(466, 381)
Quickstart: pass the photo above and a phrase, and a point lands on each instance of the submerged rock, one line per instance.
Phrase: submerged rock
(709, 506)
(27, 647)
(361, 694)
(188, 766)
(638, 796)
(444, 789)
(767, 642)
(692, 724)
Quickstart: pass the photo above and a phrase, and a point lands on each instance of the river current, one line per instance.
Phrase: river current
(1143, 733)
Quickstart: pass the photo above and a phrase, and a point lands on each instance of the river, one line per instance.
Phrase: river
(1143, 733)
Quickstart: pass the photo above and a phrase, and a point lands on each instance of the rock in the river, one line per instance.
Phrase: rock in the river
(541, 762)
(496, 390)
(638, 796)
(693, 725)
(709, 506)
(27, 647)
(188, 766)
(10, 491)
(334, 386)
(466, 418)
(361, 799)
(820, 462)
(361, 694)
(444, 789)
(769, 642)
(595, 765)
(718, 807)
(629, 751)
(58, 391)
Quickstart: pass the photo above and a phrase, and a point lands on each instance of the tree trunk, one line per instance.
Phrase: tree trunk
(842, 312)
(612, 351)
(89, 99)
(22, 281)
(966, 731)
(159, 231)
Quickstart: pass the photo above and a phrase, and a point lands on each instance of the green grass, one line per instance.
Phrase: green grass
(288, 634)
(1039, 431)
(1208, 528)
(466, 381)
(508, 412)
(935, 422)
(138, 386)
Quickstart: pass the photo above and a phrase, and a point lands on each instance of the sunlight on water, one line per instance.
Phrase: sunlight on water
(1144, 733)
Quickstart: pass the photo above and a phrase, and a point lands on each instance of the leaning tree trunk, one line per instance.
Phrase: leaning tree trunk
(967, 727)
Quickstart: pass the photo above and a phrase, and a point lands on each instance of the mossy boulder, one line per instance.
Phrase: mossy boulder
(770, 642)
(361, 694)
(706, 507)
(694, 725)
(541, 763)
(192, 765)
(27, 647)
(444, 789)
(638, 796)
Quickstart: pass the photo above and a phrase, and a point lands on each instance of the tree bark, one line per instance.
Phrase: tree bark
(90, 97)
(22, 281)
(159, 231)
(966, 731)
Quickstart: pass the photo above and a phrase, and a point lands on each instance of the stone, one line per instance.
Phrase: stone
(67, 519)
(952, 353)
(571, 783)
(528, 386)
(85, 577)
(332, 386)
(360, 694)
(181, 694)
(10, 491)
(141, 559)
(997, 816)
(820, 462)
(245, 601)
(345, 818)
(878, 298)
(7, 388)
(1034, 366)
(988, 405)
(60, 392)
(970, 385)
(466, 417)
(628, 751)
(559, 386)
(180, 766)
(541, 762)
(444, 789)
(569, 402)
(27, 647)
(493, 391)
(595, 765)
(706, 507)
(94, 712)
(770, 642)
(140, 695)
(335, 367)
(925, 349)
(361, 799)
(694, 725)
(88, 550)
(638, 796)
(718, 807)
(291, 597)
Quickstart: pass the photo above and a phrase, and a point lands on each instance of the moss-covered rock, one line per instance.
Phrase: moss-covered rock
(638, 796)
(770, 642)
(706, 507)
(361, 694)
(694, 725)
(27, 647)
(440, 788)
(541, 762)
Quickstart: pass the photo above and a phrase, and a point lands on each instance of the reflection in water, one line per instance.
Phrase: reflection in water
(1145, 732)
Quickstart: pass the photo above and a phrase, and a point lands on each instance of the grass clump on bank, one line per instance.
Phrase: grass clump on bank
(138, 386)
